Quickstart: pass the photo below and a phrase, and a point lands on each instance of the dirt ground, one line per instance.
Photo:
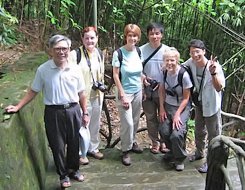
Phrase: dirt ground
(142, 137)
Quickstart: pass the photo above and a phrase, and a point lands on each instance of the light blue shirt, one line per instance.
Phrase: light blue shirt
(59, 86)
(131, 70)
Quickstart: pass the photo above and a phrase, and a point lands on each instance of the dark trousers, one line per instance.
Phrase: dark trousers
(62, 129)
(175, 139)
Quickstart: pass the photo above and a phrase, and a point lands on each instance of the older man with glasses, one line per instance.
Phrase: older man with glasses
(62, 86)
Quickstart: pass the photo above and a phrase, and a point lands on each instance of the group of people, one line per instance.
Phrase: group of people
(72, 83)
(152, 77)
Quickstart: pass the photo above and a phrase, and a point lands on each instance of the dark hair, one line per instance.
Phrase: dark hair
(196, 44)
(87, 29)
(153, 25)
(131, 28)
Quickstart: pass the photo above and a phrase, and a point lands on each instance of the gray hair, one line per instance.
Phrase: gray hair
(57, 38)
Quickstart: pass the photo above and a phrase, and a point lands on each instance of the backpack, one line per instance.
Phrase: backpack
(79, 54)
(183, 69)
(120, 59)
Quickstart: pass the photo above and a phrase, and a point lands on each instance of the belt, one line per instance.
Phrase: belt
(64, 106)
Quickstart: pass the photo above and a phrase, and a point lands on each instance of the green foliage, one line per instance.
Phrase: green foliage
(52, 18)
(64, 19)
(232, 11)
(7, 28)
(204, 6)
(191, 129)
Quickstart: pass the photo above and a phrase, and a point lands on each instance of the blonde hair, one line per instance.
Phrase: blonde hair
(131, 28)
(172, 52)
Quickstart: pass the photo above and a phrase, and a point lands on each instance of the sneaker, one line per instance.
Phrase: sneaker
(126, 160)
(203, 168)
(195, 157)
(83, 161)
(136, 148)
(96, 155)
(179, 167)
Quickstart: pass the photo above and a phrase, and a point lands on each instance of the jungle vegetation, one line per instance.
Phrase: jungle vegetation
(220, 23)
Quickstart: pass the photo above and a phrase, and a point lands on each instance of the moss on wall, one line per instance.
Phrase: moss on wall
(24, 152)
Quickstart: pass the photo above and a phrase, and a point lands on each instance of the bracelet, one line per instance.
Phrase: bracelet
(213, 74)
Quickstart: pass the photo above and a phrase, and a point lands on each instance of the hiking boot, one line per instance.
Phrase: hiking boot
(136, 148)
(96, 155)
(126, 160)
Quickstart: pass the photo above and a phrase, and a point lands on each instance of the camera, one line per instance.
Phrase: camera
(153, 83)
(100, 86)
(171, 92)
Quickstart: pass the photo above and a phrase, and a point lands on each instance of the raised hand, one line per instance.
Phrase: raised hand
(212, 67)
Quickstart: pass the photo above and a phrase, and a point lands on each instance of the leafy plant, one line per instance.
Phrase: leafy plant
(7, 28)
(191, 129)
(64, 19)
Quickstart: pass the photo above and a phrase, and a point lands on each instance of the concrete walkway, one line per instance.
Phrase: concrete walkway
(148, 171)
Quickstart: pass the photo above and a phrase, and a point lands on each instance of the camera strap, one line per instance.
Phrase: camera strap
(201, 84)
(85, 52)
(150, 56)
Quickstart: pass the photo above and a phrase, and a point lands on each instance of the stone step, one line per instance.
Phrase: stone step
(148, 171)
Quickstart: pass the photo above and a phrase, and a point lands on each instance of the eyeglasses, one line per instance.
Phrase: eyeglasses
(63, 49)
(195, 52)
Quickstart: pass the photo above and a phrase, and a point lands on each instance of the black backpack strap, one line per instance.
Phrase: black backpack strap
(79, 54)
(138, 51)
(180, 76)
(120, 59)
(120, 56)
(165, 75)
(188, 71)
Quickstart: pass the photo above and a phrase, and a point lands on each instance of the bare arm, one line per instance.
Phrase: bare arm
(216, 80)
(116, 71)
(176, 120)
(83, 104)
(29, 96)
(216, 83)
(121, 94)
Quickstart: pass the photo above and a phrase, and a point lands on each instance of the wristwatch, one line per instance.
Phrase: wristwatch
(86, 114)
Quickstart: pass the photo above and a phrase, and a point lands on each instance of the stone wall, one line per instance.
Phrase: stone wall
(24, 152)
